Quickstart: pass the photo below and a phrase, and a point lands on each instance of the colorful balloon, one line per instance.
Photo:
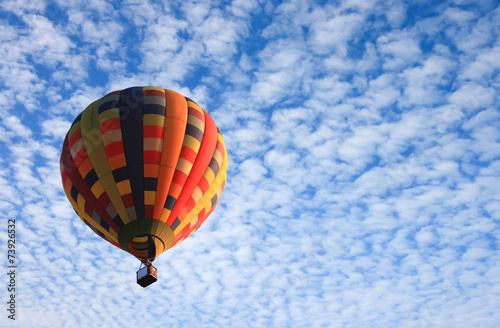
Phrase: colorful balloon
(144, 167)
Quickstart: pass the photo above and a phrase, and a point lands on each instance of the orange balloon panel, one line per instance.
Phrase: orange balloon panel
(143, 167)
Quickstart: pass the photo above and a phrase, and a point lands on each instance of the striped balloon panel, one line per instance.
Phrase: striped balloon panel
(143, 168)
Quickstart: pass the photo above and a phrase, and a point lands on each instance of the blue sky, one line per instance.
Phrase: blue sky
(364, 146)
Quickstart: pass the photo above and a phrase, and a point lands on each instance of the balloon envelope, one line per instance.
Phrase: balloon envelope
(143, 167)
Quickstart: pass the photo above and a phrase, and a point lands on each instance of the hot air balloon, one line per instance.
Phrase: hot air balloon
(143, 167)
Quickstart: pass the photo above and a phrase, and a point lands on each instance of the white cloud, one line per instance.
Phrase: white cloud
(401, 47)
(425, 82)
(396, 13)
(242, 8)
(23, 6)
(483, 66)
(459, 16)
(360, 146)
(475, 36)
(330, 90)
(218, 34)
(56, 128)
(283, 67)
(383, 92)
(75, 102)
(140, 12)
(332, 33)
(472, 96)
(425, 236)
(46, 42)
(14, 124)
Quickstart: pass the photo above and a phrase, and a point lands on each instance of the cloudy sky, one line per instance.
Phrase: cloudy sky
(364, 161)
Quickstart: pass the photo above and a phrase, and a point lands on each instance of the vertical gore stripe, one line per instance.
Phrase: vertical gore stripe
(130, 105)
(175, 127)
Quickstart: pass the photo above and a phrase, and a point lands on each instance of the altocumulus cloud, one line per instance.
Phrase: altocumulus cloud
(364, 146)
